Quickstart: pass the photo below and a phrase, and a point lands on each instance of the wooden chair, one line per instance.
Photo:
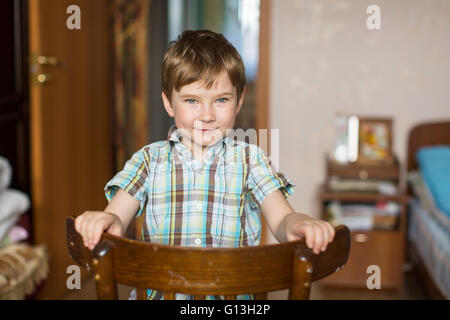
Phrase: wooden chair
(207, 271)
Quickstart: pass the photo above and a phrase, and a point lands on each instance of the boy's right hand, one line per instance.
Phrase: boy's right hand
(91, 224)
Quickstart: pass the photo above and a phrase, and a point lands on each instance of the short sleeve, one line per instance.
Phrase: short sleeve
(263, 180)
(132, 179)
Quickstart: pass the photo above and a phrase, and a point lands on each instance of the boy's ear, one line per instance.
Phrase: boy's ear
(167, 105)
(241, 101)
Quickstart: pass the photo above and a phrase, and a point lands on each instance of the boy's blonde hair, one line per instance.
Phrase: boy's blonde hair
(201, 55)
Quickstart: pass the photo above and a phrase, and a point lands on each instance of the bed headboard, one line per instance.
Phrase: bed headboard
(426, 134)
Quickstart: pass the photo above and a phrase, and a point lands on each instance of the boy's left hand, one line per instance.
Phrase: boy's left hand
(317, 233)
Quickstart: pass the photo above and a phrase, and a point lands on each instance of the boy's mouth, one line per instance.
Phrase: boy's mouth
(206, 130)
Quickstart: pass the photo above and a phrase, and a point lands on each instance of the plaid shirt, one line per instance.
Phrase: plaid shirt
(211, 204)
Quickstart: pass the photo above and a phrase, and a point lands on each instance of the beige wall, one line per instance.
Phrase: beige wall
(324, 60)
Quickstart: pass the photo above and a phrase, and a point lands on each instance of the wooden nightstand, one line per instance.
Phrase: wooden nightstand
(384, 248)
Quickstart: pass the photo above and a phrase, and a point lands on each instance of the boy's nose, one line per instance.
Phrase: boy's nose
(207, 114)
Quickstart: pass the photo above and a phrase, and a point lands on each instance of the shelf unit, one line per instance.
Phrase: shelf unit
(383, 248)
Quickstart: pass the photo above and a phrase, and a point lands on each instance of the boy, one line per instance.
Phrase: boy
(200, 187)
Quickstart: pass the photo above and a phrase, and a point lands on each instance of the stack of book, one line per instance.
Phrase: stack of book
(347, 185)
(382, 215)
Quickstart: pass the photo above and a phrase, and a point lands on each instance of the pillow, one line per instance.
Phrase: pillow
(425, 197)
(434, 163)
(5, 173)
(22, 268)
(13, 203)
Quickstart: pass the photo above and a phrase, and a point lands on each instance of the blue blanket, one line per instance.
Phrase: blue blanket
(434, 164)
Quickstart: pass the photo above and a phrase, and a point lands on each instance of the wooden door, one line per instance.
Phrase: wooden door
(71, 136)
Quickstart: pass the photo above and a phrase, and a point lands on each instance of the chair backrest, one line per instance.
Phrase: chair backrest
(207, 271)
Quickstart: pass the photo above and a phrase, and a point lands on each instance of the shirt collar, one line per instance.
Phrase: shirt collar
(175, 136)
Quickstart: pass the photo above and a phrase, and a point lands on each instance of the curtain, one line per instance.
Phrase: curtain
(130, 25)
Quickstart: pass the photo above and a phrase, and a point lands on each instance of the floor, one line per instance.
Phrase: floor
(412, 290)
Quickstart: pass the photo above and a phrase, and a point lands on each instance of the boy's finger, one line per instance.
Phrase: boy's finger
(77, 224)
(318, 239)
(91, 229)
(309, 236)
(83, 224)
(325, 235)
(331, 231)
(97, 234)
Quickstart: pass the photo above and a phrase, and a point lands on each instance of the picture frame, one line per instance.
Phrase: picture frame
(375, 141)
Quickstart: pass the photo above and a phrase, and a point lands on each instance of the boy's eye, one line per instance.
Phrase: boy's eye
(190, 100)
(222, 100)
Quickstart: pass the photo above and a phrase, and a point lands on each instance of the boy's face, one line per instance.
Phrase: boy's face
(203, 115)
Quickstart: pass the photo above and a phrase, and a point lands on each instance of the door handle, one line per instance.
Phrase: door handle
(47, 61)
(43, 78)
(42, 60)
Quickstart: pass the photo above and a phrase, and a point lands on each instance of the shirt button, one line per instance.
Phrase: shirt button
(198, 241)
(199, 207)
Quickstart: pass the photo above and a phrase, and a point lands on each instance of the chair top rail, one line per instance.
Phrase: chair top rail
(209, 270)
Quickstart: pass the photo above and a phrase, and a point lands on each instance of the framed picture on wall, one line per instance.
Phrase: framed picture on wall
(375, 141)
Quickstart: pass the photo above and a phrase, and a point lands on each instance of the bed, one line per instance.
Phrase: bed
(428, 225)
